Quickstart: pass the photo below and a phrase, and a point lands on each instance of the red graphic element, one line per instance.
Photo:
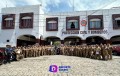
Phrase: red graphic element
(83, 22)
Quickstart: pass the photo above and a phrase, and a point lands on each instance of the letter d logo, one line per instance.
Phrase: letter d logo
(53, 68)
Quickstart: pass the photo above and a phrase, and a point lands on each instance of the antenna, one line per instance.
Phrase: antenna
(73, 5)
(6, 3)
(41, 2)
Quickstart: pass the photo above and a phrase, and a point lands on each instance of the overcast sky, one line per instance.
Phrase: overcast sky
(63, 5)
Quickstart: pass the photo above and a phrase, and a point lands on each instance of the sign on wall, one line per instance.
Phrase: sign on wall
(83, 22)
(86, 32)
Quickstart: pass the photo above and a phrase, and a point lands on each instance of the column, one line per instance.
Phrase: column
(62, 41)
(83, 42)
(38, 41)
(108, 41)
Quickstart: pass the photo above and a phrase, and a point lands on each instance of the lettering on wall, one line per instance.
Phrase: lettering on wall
(85, 32)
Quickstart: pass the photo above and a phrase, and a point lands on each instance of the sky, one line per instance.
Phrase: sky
(63, 5)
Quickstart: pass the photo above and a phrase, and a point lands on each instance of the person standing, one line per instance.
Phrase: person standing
(9, 51)
(110, 51)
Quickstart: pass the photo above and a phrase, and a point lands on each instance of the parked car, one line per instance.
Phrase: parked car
(116, 49)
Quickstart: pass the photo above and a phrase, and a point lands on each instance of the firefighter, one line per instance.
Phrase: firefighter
(110, 51)
(97, 52)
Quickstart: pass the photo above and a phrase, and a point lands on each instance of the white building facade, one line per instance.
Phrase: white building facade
(29, 25)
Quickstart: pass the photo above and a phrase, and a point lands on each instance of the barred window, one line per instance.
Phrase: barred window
(26, 21)
(9, 22)
(52, 25)
(95, 23)
(117, 22)
(72, 24)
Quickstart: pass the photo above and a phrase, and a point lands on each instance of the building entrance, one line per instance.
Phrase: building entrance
(26, 40)
(51, 40)
(115, 40)
(94, 40)
(73, 40)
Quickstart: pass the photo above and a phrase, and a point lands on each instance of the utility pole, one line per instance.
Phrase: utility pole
(6, 3)
(73, 5)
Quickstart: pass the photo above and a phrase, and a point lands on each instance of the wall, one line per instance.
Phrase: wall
(13, 34)
(39, 26)
(107, 22)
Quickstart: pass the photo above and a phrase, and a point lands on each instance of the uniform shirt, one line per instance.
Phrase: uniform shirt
(9, 50)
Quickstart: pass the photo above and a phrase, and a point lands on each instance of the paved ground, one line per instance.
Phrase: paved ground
(39, 66)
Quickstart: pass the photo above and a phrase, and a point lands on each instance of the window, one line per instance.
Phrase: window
(52, 24)
(95, 22)
(72, 23)
(8, 21)
(26, 20)
(117, 22)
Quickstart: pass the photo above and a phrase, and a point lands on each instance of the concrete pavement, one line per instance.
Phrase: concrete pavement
(39, 66)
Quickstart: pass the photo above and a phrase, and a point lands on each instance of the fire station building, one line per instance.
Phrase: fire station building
(27, 25)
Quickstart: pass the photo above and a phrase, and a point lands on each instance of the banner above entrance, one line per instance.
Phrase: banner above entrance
(85, 32)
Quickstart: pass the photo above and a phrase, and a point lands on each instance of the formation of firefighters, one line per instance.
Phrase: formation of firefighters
(99, 52)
